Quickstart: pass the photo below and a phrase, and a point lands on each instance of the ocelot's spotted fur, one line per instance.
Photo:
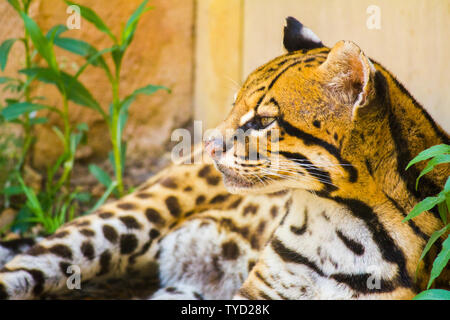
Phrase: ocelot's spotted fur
(323, 221)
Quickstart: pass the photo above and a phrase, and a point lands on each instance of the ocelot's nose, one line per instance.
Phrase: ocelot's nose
(214, 147)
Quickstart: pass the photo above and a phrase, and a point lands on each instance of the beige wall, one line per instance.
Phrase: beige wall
(412, 42)
(161, 53)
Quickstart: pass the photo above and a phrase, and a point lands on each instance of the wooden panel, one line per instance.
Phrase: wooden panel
(218, 58)
(412, 42)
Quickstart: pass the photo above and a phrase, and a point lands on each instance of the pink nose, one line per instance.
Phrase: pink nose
(213, 147)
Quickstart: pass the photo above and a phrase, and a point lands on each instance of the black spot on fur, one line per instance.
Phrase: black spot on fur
(39, 279)
(316, 123)
(230, 250)
(250, 208)
(87, 249)
(61, 250)
(213, 180)
(144, 195)
(261, 227)
(368, 166)
(169, 183)
(174, 206)
(110, 233)
(87, 232)
(105, 215)
(204, 171)
(274, 211)
(105, 262)
(130, 222)
(188, 189)
(251, 264)
(64, 266)
(154, 217)
(200, 199)
(37, 250)
(59, 235)
(154, 234)
(83, 223)
(3, 294)
(235, 204)
(128, 243)
(198, 296)
(254, 241)
(127, 206)
(301, 230)
(220, 198)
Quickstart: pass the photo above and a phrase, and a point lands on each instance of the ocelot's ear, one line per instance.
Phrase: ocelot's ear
(297, 36)
(350, 76)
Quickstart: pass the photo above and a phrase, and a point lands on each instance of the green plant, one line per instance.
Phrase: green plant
(117, 115)
(57, 201)
(439, 154)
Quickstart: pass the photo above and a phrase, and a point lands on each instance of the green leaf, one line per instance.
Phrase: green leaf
(82, 126)
(436, 235)
(6, 80)
(78, 93)
(33, 201)
(429, 153)
(433, 294)
(150, 89)
(93, 18)
(125, 104)
(55, 32)
(15, 4)
(83, 197)
(14, 111)
(39, 120)
(447, 185)
(101, 175)
(438, 159)
(130, 27)
(424, 205)
(103, 198)
(42, 45)
(74, 89)
(442, 208)
(21, 223)
(79, 47)
(5, 47)
(440, 262)
(46, 75)
(11, 191)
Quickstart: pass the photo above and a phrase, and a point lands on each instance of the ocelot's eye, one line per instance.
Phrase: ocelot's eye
(266, 121)
(259, 123)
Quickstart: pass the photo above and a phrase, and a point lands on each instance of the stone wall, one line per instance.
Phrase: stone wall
(161, 53)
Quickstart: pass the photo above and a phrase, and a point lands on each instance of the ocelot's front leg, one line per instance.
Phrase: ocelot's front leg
(122, 235)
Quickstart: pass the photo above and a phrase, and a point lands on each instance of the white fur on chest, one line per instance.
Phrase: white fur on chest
(320, 244)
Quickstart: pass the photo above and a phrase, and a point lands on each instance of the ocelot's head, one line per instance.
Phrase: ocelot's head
(292, 117)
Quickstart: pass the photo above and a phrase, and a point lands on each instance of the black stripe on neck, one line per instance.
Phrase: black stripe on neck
(309, 139)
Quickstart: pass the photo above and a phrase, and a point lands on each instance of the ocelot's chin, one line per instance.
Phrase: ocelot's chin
(237, 184)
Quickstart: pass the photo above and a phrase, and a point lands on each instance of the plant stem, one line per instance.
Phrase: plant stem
(115, 136)
(27, 127)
